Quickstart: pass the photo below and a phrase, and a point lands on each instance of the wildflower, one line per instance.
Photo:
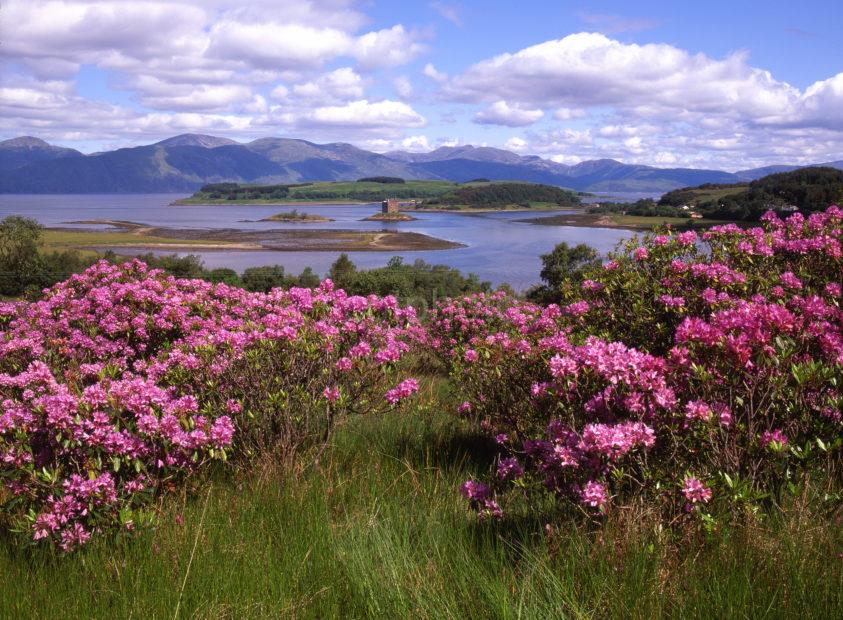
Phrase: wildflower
(672, 302)
(475, 491)
(775, 439)
(222, 431)
(594, 494)
(510, 469)
(698, 410)
(695, 491)
(406, 388)
(491, 509)
(790, 281)
(331, 394)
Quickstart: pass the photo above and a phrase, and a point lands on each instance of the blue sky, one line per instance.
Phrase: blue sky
(715, 84)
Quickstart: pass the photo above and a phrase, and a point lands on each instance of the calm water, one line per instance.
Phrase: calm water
(500, 249)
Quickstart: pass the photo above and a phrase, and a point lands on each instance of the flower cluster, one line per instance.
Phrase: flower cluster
(122, 381)
(719, 354)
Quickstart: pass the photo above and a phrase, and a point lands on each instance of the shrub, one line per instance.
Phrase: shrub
(124, 381)
(385, 180)
(697, 373)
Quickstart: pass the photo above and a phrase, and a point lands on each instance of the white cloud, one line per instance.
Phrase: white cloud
(403, 86)
(277, 45)
(418, 144)
(279, 92)
(28, 110)
(566, 114)
(516, 144)
(501, 113)
(653, 80)
(390, 47)
(161, 95)
(366, 114)
(220, 58)
(437, 76)
(822, 104)
(339, 85)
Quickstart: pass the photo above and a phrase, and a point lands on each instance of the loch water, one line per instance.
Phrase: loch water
(499, 248)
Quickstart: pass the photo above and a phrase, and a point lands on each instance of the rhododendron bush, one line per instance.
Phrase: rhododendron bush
(121, 381)
(696, 371)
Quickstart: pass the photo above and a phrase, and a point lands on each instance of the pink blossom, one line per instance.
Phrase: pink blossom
(403, 390)
(594, 494)
(475, 491)
(775, 438)
(510, 469)
(695, 491)
(331, 394)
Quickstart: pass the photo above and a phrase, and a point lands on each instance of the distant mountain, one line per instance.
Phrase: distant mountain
(196, 139)
(608, 175)
(472, 153)
(25, 150)
(185, 162)
(307, 161)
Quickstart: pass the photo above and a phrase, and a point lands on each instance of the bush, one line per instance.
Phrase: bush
(386, 180)
(724, 393)
(419, 283)
(123, 381)
(497, 195)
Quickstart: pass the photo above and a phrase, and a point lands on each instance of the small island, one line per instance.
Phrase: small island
(133, 235)
(390, 217)
(477, 195)
(296, 217)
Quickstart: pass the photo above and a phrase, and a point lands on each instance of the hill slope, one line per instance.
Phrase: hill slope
(19, 152)
(186, 162)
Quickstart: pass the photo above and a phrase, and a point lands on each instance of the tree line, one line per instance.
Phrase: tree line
(26, 269)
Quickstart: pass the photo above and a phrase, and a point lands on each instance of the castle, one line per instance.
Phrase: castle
(389, 206)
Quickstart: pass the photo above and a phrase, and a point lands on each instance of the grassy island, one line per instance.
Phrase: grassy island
(429, 195)
(389, 217)
(295, 217)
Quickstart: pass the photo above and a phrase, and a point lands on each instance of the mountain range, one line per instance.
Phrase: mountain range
(184, 163)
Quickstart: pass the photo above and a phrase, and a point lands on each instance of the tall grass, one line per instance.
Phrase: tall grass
(377, 529)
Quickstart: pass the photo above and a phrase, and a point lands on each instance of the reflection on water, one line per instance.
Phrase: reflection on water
(499, 248)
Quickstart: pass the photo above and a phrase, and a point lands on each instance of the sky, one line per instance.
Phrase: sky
(726, 85)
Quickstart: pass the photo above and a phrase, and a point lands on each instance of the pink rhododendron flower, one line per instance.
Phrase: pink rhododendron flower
(695, 491)
(403, 390)
(594, 494)
(475, 491)
(510, 469)
(775, 437)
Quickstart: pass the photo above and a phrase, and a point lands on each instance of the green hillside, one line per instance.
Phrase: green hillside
(806, 189)
(433, 194)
